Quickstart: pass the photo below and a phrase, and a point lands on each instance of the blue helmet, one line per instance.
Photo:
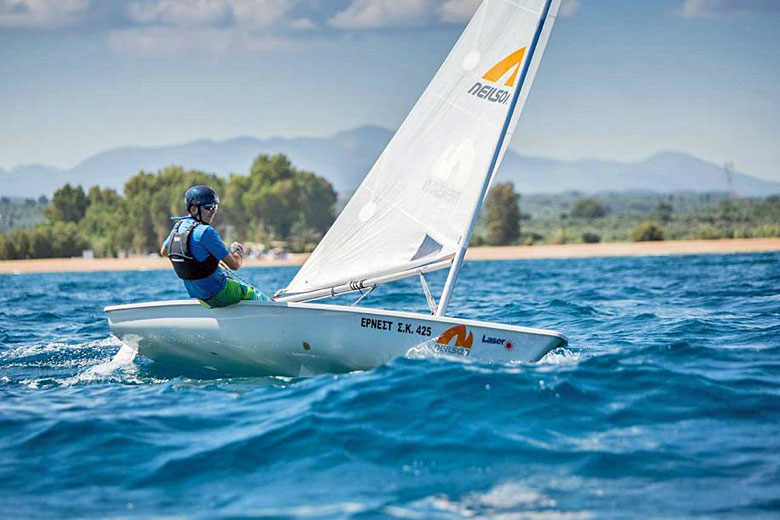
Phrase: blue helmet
(200, 195)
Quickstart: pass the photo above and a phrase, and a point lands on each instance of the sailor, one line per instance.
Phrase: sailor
(195, 249)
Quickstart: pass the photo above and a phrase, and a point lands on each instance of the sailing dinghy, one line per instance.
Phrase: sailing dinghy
(413, 214)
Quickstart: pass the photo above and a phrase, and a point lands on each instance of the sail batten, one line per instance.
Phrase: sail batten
(418, 201)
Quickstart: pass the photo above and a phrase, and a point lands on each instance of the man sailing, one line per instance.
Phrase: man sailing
(196, 249)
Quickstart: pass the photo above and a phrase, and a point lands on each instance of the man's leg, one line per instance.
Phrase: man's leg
(231, 293)
(234, 292)
(253, 293)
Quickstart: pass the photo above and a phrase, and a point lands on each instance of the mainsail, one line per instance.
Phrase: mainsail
(416, 206)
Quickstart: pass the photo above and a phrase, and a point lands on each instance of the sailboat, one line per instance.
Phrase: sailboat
(413, 214)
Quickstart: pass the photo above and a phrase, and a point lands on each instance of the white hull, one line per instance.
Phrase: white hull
(293, 339)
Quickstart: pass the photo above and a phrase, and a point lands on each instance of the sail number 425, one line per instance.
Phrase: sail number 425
(408, 328)
(404, 328)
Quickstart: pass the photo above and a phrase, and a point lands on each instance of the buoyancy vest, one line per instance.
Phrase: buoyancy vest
(185, 265)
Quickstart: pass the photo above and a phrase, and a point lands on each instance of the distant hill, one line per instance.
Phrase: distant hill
(32, 180)
(664, 172)
(346, 157)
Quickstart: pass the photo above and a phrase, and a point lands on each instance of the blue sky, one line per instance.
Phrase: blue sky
(621, 79)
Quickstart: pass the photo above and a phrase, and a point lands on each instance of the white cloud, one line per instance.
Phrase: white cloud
(178, 12)
(41, 13)
(455, 11)
(377, 14)
(259, 13)
(156, 42)
(707, 8)
(570, 7)
(169, 27)
(303, 24)
(187, 13)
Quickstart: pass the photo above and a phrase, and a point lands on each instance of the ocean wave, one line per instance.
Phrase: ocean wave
(665, 403)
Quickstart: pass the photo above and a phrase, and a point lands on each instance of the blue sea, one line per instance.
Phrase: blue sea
(666, 404)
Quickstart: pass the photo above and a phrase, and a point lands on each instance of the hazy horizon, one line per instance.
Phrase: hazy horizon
(346, 130)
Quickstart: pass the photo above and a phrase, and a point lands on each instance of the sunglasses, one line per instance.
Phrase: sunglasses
(210, 207)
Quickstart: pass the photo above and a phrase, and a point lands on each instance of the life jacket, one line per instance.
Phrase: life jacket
(185, 265)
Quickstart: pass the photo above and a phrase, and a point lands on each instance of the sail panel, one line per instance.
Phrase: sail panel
(415, 205)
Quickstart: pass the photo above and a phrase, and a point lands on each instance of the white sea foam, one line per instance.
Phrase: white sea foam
(308, 511)
(430, 349)
(505, 501)
(424, 350)
(121, 364)
(46, 348)
(560, 356)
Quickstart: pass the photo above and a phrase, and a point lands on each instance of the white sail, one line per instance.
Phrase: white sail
(415, 206)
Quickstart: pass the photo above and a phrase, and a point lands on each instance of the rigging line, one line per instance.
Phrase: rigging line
(232, 274)
(428, 296)
(364, 294)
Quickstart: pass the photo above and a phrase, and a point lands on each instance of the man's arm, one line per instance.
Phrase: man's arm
(164, 248)
(234, 261)
(232, 257)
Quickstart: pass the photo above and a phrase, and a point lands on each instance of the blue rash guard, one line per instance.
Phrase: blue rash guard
(204, 241)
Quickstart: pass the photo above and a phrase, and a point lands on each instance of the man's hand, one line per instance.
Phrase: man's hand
(235, 259)
(237, 249)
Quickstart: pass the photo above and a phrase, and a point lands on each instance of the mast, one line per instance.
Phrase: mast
(452, 277)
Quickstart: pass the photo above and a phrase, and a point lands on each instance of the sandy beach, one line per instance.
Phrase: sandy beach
(681, 247)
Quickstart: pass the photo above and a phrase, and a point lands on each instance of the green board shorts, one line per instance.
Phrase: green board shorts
(232, 293)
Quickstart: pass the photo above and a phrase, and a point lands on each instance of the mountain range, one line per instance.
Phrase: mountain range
(346, 157)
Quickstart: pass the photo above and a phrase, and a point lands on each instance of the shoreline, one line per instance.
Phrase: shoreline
(612, 249)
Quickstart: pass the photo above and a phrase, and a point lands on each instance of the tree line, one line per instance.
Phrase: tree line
(275, 201)
(574, 218)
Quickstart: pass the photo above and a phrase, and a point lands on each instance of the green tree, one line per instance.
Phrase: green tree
(278, 201)
(106, 196)
(502, 214)
(67, 240)
(588, 208)
(40, 242)
(47, 240)
(8, 249)
(663, 211)
(590, 237)
(151, 201)
(232, 208)
(267, 170)
(317, 200)
(69, 204)
(274, 201)
(22, 244)
(107, 230)
(647, 231)
(562, 236)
